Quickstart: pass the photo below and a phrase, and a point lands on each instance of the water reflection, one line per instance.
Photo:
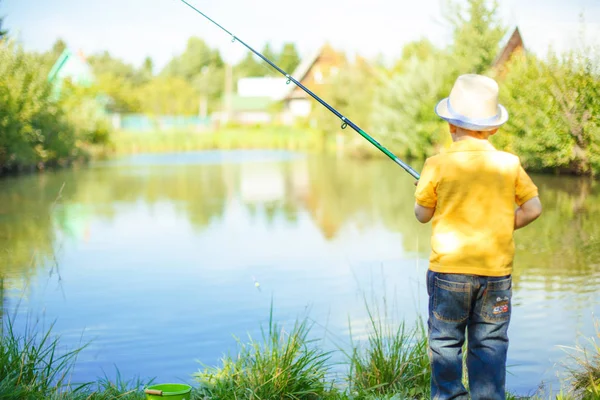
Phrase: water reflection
(553, 253)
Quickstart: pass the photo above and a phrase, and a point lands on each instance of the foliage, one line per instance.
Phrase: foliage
(252, 66)
(403, 111)
(3, 32)
(554, 106)
(120, 81)
(35, 127)
(405, 100)
(289, 59)
(340, 92)
(553, 102)
(477, 31)
(85, 113)
(168, 96)
(201, 68)
(32, 125)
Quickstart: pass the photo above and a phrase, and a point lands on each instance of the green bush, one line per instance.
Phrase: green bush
(36, 128)
(555, 107)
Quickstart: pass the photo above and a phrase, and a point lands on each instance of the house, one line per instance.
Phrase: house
(270, 99)
(511, 45)
(71, 66)
(313, 72)
(246, 110)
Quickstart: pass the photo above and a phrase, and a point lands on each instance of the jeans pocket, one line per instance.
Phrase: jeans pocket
(496, 305)
(451, 300)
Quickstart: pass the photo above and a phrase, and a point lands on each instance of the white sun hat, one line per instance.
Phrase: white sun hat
(473, 104)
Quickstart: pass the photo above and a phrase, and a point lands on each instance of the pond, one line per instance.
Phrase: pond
(161, 261)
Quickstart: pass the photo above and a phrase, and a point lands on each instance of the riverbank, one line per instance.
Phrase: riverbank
(285, 363)
(270, 137)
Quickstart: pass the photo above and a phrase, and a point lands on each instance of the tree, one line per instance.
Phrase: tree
(3, 32)
(196, 56)
(406, 98)
(253, 66)
(36, 128)
(104, 63)
(47, 59)
(289, 58)
(58, 47)
(121, 90)
(202, 68)
(404, 103)
(168, 96)
(420, 50)
(250, 66)
(554, 106)
(120, 81)
(477, 31)
(269, 53)
(148, 66)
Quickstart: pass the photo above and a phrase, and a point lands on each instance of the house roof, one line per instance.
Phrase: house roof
(511, 40)
(304, 67)
(71, 65)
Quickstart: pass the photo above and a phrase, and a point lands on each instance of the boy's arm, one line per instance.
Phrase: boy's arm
(424, 214)
(527, 198)
(426, 192)
(528, 212)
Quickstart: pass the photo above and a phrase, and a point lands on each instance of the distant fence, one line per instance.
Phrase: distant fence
(145, 123)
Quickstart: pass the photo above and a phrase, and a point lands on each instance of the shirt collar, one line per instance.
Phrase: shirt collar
(471, 145)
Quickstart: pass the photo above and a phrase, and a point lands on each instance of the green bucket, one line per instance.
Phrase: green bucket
(168, 391)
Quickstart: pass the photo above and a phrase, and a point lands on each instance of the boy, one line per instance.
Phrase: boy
(469, 193)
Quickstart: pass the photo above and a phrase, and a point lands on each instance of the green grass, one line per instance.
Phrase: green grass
(390, 364)
(32, 365)
(584, 369)
(271, 137)
(35, 366)
(283, 365)
(394, 361)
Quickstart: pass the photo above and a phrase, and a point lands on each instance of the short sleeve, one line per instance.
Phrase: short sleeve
(525, 189)
(426, 193)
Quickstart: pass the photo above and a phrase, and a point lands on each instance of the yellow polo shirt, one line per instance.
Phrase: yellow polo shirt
(473, 188)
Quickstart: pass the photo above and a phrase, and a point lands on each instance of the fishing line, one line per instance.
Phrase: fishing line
(345, 121)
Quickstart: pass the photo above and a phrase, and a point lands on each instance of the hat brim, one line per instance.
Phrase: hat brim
(441, 109)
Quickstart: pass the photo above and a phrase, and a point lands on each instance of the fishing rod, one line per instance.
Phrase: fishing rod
(345, 121)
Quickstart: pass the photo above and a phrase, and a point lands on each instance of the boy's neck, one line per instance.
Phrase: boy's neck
(457, 138)
(463, 134)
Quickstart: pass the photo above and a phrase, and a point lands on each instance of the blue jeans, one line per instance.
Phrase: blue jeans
(482, 307)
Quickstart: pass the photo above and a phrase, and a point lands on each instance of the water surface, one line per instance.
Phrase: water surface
(162, 260)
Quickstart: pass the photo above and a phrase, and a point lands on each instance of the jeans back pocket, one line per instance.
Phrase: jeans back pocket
(496, 305)
(451, 300)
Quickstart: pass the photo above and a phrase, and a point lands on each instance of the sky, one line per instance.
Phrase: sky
(135, 29)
